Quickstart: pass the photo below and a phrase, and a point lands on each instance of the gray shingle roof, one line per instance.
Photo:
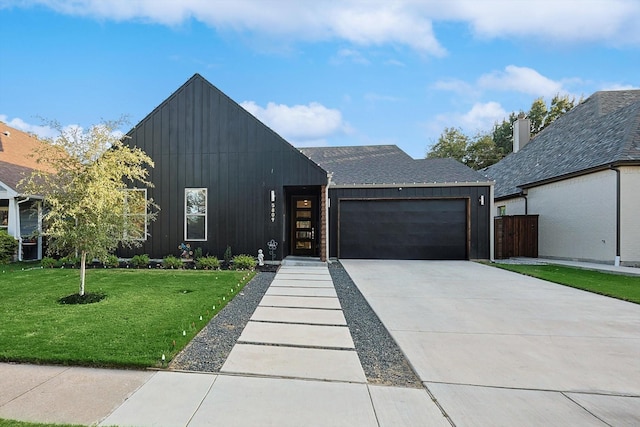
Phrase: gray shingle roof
(602, 131)
(387, 164)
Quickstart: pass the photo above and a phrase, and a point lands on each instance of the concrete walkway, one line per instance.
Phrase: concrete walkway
(501, 349)
(294, 365)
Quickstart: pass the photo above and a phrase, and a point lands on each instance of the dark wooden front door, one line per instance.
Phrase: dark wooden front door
(303, 225)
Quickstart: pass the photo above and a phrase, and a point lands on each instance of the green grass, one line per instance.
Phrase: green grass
(144, 313)
(613, 285)
(13, 423)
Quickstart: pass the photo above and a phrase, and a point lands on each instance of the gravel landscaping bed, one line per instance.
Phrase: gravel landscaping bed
(381, 359)
(380, 356)
(209, 349)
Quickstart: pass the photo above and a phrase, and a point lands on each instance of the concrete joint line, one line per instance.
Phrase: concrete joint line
(202, 400)
(283, 377)
(586, 410)
(314, 347)
(282, 322)
(39, 385)
(435, 401)
(306, 308)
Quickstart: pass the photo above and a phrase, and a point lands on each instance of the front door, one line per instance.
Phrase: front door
(303, 216)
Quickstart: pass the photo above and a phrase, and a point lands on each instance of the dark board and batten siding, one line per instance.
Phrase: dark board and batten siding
(468, 214)
(200, 138)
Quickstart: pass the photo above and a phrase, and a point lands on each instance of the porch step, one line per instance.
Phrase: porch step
(299, 261)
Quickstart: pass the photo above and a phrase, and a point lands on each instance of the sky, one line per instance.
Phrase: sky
(318, 72)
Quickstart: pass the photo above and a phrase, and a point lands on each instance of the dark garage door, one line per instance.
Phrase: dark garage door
(403, 229)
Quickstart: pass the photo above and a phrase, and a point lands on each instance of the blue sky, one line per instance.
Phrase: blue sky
(318, 72)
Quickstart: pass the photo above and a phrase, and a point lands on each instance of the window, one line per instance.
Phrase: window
(502, 210)
(195, 212)
(135, 214)
(4, 217)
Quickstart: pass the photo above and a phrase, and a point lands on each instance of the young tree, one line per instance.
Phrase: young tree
(88, 213)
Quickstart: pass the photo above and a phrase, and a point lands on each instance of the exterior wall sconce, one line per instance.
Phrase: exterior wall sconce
(481, 200)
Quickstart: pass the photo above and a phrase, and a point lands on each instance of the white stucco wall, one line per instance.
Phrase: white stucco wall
(630, 215)
(513, 206)
(577, 217)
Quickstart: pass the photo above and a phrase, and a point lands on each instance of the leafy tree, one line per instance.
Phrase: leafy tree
(88, 213)
(452, 143)
(559, 106)
(503, 135)
(538, 115)
(482, 152)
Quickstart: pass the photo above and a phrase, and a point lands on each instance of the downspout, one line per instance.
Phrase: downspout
(523, 194)
(618, 179)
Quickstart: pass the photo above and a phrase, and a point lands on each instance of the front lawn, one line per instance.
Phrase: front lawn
(14, 423)
(146, 313)
(613, 285)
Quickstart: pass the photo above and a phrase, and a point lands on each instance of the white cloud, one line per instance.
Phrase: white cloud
(454, 85)
(572, 21)
(72, 131)
(618, 86)
(42, 131)
(483, 116)
(380, 22)
(480, 118)
(375, 22)
(350, 55)
(300, 124)
(520, 79)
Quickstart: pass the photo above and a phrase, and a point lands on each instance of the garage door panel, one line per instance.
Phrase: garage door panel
(403, 229)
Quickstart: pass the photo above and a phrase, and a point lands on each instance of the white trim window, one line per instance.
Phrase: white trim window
(135, 214)
(195, 214)
(4, 218)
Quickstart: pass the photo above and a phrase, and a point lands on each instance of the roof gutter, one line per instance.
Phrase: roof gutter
(416, 184)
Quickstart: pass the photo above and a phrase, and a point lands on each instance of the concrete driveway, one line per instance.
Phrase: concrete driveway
(497, 348)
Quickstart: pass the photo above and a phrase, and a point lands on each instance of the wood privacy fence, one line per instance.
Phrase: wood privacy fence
(516, 236)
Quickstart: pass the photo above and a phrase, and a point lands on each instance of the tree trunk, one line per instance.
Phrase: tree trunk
(83, 260)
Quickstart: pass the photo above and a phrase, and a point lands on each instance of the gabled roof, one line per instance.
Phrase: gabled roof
(602, 131)
(387, 165)
(17, 151)
(199, 94)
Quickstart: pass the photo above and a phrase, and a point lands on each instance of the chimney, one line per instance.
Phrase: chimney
(521, 132)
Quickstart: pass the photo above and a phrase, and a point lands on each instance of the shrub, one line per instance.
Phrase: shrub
(244, 262)
(228, 255)
(70, 260)
(208, 263)
(171, 261)
(197, 253)
(8, 247)
(111, 261)
(139, 261)
(48, 262)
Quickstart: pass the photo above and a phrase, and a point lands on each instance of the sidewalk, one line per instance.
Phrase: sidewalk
(294, 364)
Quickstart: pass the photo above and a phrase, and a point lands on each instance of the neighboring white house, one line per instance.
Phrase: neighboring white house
(20, 214)
(581, 175)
